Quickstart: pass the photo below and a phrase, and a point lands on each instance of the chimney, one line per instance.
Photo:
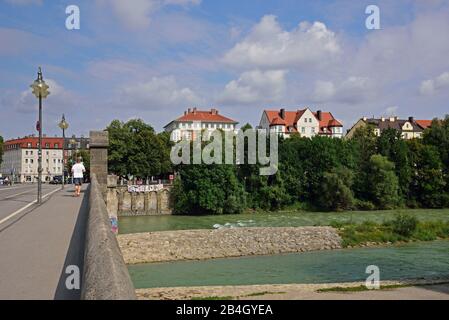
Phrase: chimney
(214, 111)
(365, 119)
(282, 114)
(319, 115)
(382, 119)
(194, 110)
(411, 119)
(392, 119)
(189, 110)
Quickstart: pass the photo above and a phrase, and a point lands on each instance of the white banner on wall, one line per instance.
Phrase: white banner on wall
(145, 188)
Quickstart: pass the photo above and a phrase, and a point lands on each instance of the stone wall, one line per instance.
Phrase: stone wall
(223, 243)
(105, 275)
(99, 142)
(123, 203)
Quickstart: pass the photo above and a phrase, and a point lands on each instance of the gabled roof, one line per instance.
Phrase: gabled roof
(396, 124)
(278, 122)
(203, 116)
(424, 124)
(291, 119)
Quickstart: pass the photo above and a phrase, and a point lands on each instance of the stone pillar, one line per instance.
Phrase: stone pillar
(99, 142)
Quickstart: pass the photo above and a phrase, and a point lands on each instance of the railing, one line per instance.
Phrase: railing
(105, 275)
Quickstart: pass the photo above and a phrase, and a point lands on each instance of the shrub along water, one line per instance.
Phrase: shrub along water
(403, 228)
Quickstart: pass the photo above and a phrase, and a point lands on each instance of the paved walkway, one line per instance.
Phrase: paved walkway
(38, 243)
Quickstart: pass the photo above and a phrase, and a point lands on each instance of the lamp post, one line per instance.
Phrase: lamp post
(64, 126)
(40, 90)
(74, 146)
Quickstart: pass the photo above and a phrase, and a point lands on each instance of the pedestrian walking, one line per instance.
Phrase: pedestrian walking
(78, 175)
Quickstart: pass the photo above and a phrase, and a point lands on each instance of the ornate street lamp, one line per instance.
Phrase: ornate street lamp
(64, 125)
(40, 90)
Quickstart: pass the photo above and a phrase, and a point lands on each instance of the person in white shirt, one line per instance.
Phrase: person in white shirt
(78, 175)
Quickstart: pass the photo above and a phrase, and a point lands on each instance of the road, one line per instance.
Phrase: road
(17, 197)
(37, 243)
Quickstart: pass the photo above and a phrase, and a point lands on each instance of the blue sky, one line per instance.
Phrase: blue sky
(153, 59)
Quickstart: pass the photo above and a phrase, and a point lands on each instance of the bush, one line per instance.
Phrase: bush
(365, 205)
(404, 225)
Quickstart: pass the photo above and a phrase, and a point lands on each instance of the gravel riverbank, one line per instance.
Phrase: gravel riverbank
(224, 243)
(436, 288)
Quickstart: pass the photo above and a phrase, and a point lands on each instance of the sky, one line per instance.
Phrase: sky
(153, 59)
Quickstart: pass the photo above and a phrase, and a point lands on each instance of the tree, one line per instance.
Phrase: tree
(136, 149)
(391, 145)
(365, 142)
(428, 184)
(384, 191)
(208, 189)
(336, 193)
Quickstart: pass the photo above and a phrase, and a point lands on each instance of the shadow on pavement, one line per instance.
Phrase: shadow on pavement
(75, 254)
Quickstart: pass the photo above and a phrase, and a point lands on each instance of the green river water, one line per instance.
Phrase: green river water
(278, 219)
(426, 259)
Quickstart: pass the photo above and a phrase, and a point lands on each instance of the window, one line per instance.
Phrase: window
(29, 144)
(47, 145)
(303, 130)
(305, 120)
(313, 129)
(56, 145)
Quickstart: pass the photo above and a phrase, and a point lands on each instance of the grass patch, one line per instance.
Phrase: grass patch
(364, 288)
(402, 229)
(212, 298)
(256, 294)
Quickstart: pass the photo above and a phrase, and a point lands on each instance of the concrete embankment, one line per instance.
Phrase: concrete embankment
(223, 243)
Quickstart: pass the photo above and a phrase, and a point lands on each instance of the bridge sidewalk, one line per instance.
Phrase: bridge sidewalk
(36, 248)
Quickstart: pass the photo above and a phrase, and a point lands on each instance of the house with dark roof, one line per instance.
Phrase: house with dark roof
(409, 128)
(194, 121)
(304, 122)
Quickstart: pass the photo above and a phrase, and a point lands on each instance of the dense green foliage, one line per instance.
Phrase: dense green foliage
(363, 173)
(403, 228)
(135, 148)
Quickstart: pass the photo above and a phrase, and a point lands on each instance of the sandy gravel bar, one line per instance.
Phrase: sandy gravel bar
(279, 291)
(224, 243)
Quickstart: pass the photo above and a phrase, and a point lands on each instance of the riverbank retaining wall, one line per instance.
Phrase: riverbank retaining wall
(121, 202)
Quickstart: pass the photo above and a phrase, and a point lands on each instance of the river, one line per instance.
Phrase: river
(424, 259)
(278, 219)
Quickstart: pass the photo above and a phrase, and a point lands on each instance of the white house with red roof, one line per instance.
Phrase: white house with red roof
(305, 122)
(194, 121)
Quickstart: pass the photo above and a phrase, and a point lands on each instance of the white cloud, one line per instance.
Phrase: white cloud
(434, 86)
(351, 90)
(391, 111)
(26, 102)
(158, 93)
(255, 86)
(269, 46)
(136, 14)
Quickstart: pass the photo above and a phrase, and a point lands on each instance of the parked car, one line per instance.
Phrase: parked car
(56, 180)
